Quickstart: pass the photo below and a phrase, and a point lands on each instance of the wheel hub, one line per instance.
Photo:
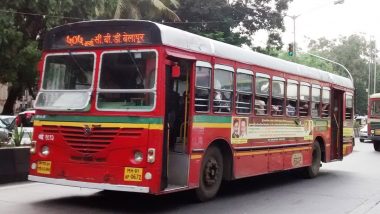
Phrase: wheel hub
(211, 172)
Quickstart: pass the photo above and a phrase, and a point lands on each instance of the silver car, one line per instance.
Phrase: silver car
(363, 134)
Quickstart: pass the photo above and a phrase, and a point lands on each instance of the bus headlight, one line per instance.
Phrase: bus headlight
(372, 131)
(138, 156)
(33, 147)
(151, 155)
(45, 150)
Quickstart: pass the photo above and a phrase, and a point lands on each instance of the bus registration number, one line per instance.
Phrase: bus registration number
(133, 174)
(44, 167)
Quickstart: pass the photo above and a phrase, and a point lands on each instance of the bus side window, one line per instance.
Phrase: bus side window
(261, 95)
(304, 100)
(278, 88)
(349, 106)
(244, 91)
(202, 88)
(315, 100)
(325, 102)
(223, 89)
(292, 99)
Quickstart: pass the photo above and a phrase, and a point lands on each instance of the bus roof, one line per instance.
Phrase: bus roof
(177, 38)
(375, 96)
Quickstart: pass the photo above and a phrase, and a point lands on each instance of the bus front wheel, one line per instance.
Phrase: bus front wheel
(313, 170)
(211, 174)
(376, 146)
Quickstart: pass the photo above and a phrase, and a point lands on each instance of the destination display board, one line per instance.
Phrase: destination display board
(101, 34)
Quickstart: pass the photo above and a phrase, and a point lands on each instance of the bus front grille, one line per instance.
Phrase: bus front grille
(85, 140)
(90, 140)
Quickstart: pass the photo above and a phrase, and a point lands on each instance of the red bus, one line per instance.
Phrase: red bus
(373, 123)
(142, 107)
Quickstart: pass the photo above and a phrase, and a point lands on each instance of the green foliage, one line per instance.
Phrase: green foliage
(154, 10)
(17, 136)
(234, 22)
(352, 52)
(20, 36)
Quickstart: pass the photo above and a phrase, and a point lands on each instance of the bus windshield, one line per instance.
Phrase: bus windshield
(127, 81)
(375, 108)
(67, 82)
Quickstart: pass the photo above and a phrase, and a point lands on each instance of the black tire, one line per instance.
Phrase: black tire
(313, 170)
(376, 146)
(361, 140)
(211, 174)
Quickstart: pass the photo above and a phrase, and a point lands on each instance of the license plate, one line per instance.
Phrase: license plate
(133, 174)
(377, 131)
(44, 167)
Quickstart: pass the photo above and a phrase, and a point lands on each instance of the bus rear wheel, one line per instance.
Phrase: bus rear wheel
(211, 174)
(313, 170)
(376, 146)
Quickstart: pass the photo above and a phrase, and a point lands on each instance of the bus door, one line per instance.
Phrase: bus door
(176, 154)
(337, 124)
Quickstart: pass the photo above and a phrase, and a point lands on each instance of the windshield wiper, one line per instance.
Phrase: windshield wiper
(76, 63)
(136, 66)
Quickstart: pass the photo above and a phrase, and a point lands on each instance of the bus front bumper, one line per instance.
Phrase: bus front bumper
(374, 138)
(100, 186)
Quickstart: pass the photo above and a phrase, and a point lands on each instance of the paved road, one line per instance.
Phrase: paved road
(351, 186)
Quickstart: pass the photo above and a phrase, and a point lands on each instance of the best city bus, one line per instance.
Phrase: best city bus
(142, 107)
(374, 120)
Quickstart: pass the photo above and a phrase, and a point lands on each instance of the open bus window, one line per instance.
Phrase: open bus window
(278, 88)
(304, 100)
(325, 102)
(127, 81)
(315, 101)
(223, 80)
(202, 89)
(292, 99)
(66, 75)
(244, 93)
(349, 106)
(262, 96)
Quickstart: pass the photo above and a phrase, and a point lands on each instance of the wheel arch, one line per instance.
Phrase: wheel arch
(322, 145)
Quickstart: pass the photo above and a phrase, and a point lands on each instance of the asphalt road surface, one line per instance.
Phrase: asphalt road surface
(351, 186)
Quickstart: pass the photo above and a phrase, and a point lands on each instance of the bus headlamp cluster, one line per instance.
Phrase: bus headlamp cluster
(45, 150)
(33, 147)
(138, 156)
(151, 155)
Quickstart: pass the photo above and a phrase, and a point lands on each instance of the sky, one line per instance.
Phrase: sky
(321, 18)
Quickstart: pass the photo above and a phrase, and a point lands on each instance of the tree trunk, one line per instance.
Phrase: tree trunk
(14, 93)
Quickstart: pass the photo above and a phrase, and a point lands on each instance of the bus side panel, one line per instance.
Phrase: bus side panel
(296, 159)
(202, 135)
(250, 164)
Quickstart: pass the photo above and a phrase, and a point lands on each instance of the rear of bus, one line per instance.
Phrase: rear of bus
(374, 121)
(99, 119)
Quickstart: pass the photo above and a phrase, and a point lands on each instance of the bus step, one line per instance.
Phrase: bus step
(174, 188)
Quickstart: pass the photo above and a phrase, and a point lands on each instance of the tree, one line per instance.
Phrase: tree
(154, 10)
(234, 22)
(353, 52)
(20, 33)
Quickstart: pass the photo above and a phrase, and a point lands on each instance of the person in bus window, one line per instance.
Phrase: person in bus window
(243, 128)
(235, 131)
(290, 110)
(260, 107)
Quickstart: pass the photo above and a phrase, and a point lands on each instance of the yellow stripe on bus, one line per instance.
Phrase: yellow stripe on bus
(107, 125)
(246, 153)
(212, 125)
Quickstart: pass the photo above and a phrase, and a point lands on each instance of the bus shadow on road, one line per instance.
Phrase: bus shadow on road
(108, 201)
